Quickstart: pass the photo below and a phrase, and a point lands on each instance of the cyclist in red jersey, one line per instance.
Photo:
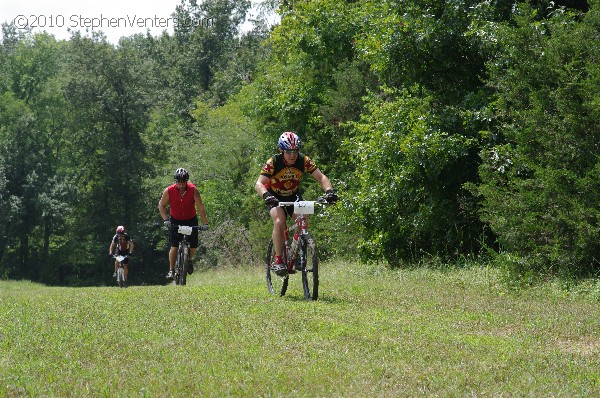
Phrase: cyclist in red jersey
(185, 203)
(280, 180)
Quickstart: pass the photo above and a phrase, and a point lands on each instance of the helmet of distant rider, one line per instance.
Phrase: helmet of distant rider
(181, 175)
(120, 229)
(289, 141)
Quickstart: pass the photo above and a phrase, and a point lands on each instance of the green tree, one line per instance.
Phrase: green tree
(406, 194)
(540, 183)
(239, 66)
(205, 36)
(32, 149)
(312, 48)
(110, 105)
(329, 56)
(424, 43)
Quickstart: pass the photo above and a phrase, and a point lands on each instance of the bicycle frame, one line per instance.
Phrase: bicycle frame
(300, 225)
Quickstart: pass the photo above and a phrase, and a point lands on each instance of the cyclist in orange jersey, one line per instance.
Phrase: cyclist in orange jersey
(280, 180)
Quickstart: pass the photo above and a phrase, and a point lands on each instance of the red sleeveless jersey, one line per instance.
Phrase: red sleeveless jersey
(182, 208)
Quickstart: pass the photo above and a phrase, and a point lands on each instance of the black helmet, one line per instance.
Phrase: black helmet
(181, 175)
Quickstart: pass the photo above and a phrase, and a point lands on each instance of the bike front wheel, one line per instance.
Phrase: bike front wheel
(309, 264)
(276, 284)
(183, 258)
(121, 277)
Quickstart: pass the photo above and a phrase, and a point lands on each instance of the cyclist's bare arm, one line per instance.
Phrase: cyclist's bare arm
(200, 207)
(260, 185)
(323, 180)
(162, 205)
(112, 247)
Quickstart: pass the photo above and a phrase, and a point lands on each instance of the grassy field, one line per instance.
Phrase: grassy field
(373, 333)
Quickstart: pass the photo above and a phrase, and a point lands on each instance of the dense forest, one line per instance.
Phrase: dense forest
(452, 131)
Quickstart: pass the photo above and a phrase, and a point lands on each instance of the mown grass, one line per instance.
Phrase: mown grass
(373, 333)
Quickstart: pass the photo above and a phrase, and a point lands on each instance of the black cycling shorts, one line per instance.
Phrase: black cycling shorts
(175, 237)
(123, 253)
(289, 210)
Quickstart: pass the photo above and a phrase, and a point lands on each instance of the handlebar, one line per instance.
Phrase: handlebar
(305, 206)
(202, 227)
(320, 201)
(186, 229)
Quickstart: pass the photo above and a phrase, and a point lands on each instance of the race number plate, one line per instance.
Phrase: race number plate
(184, 229)
(304, 207)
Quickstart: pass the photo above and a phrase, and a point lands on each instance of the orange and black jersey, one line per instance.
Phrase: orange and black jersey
(284, 179)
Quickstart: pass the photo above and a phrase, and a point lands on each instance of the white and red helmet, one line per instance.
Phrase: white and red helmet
(289, 141)
(120, 230)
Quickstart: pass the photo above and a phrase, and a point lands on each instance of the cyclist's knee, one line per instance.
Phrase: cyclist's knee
(279, 222)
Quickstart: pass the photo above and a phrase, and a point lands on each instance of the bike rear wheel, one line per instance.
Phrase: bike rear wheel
(309, 264)
(275, 284)
(183, 258)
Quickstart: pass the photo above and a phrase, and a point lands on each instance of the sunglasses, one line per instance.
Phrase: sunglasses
(291, 151)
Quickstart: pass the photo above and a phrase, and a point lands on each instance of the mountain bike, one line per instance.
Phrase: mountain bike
(121, 281)
(183, 252)
(299, 252)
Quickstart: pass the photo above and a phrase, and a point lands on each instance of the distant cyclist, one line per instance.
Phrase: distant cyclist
(280, 180)
(124, 247)
(185, 203)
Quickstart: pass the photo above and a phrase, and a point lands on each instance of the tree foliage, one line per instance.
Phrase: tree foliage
(407, 191)
(31, 151)
(448, 128)
(540, 184)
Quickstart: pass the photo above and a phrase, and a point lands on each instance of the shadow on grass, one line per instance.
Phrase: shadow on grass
(300, 298)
